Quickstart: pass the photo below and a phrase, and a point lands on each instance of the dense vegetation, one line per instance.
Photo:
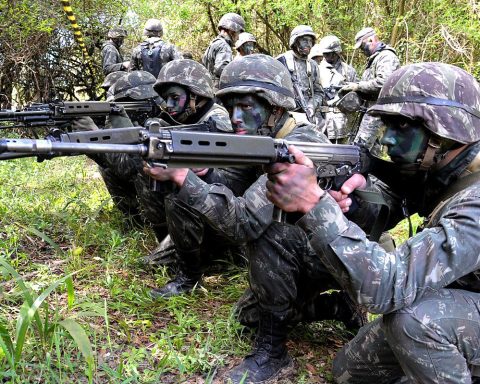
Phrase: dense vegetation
(40, 58)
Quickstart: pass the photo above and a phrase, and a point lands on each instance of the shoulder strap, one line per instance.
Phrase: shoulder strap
(288, 127)
(289, 61)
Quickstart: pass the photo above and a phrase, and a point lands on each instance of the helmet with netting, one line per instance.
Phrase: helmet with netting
(111, 79)
(187, 73)
(330, 43)
(117, 32)
(153, 27)
(137, 85)
(243, 38)
(299, 31)
(261, 75)
(315, 52)
(232, 22)
(445, 98)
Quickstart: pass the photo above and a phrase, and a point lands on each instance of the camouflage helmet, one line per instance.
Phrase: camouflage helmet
(363, 34)
(315, 51)
(243, 38)
(153, 27)
(444, 97)
(137, 85)
(330, 43)
(117, 32)
(299, 31)
(187, 73)
(232, 22)
(261, 75)
(111, 78)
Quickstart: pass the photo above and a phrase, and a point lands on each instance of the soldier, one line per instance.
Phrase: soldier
(427, 288)
(109, 80)
(309, 95)
(245, 45)
(153, 53)
(334, 72)
(258, 102)
(219, 52)
(316, 54)
(382, 60)
(112, 59)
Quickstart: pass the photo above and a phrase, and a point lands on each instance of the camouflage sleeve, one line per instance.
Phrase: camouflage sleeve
(352, 75)
(135, 64)
(175, 53)
(384, 282)
(110, 60)
(318, 91)
(386, 63)
(222, 120)
(238, 180)
(223, 56)
(240, 219)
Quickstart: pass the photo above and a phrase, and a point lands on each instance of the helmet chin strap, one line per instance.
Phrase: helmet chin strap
(192, 107)
(271, 122)
(433, 147)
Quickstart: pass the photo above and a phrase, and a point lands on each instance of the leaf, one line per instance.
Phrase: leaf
(6, 344)
(44, 237)
(70, 292)
(81, 339)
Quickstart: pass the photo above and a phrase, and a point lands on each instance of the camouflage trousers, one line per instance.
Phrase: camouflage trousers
(286, 276)
(370, 132)
(198, 246)
(336, 126)
(435, 340)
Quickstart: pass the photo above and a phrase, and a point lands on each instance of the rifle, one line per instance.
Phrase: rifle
(191, 146)
(60, 113)
(301, 102)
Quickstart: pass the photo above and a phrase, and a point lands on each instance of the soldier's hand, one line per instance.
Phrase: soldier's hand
(342, 197)
(293, 187)
(200, 171)
(126, 65)
(83, 123)
(176, 175)
(349, 87)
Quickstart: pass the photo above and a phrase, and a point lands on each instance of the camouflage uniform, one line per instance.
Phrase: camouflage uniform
(305, 73)
(219, 53)
(380, 65)
(332, 76)
(428, 288)
(153, 53)
(112, 59)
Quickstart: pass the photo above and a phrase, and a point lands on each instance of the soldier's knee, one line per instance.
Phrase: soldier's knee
(401, 326)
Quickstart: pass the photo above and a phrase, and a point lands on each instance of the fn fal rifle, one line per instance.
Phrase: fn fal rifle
(60, 114)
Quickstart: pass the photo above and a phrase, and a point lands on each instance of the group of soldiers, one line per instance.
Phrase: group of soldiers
(320, 262)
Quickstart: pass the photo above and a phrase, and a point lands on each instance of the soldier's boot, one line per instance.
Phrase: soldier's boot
(188, 277)
(335, 306)
(269, 360)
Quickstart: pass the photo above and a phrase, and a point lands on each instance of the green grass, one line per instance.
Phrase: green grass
(79, 311)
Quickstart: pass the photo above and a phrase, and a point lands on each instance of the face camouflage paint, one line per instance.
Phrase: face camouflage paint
(176, 98)
(247, 113)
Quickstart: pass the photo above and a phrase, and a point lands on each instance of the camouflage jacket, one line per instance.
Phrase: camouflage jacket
(445, 253)
(151, 54)
(335, 75)
(216, 57)
(244, 218)
(309, 84)
(379, 66)
(111, 58)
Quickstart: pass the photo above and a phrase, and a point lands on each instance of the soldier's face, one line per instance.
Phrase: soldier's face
(330, 57)
(176, 98)
(247, 113)
(406, 139)
(248, 48)
(304, 44)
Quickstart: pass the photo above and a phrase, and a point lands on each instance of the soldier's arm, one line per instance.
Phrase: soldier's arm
(110, 64)
(222, 58)
(134, 61)
(387, 63)
(387, 281)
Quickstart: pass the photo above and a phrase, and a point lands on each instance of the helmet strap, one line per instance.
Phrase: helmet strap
(433, 146)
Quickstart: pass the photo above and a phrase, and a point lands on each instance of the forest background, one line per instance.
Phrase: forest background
(40, 58)
(74, 296)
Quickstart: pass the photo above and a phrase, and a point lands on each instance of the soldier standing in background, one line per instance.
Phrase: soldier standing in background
(245, 45)
(219, 53)
(334, 72)
(382, 61)
(112, 59)
(309, 95)
(153, 53)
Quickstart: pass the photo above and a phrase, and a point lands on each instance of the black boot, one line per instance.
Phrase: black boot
(182, 283)
(335, 306)
(269, 359)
